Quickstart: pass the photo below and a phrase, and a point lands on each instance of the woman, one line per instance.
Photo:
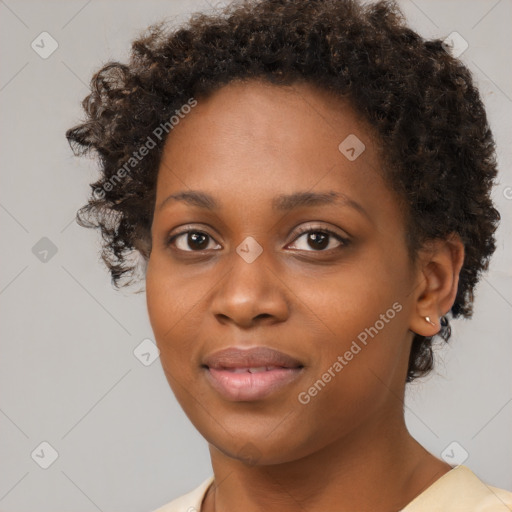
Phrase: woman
(309, 185)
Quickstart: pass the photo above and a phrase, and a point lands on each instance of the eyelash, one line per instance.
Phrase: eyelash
(301, 231)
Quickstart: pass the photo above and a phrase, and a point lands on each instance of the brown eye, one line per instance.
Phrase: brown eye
(320, 240)
(191, 241)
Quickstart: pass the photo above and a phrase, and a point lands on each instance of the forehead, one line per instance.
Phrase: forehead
(270, 135)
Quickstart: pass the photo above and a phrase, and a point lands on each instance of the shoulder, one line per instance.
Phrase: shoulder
(190, 502)
(460, 490)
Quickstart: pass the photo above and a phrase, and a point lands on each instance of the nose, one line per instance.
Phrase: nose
(251, 293)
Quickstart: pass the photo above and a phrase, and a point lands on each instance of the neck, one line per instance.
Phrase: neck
(378, 467)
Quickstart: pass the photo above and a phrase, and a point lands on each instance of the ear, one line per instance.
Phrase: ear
(439, 265)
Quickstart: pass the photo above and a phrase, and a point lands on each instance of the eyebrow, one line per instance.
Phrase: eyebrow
(282, 203)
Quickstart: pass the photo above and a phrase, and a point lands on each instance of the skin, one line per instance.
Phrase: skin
(348, 448)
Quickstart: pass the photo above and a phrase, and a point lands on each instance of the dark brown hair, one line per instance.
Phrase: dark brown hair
(421, 102)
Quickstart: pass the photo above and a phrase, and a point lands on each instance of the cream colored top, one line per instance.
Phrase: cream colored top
(459, 490)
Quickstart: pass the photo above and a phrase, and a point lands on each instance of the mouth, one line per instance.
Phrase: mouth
(250, 374)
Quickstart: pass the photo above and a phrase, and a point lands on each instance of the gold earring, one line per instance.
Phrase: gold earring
(427, 318)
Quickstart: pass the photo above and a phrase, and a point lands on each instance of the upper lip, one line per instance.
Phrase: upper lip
(254, 357)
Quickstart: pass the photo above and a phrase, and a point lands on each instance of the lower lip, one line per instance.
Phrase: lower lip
(246, 387)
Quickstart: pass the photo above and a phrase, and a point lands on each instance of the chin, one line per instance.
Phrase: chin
(260, 450)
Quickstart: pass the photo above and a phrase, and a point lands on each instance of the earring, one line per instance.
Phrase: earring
(427, 318)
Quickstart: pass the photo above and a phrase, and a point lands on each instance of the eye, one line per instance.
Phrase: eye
(319, 239)
(195, 239)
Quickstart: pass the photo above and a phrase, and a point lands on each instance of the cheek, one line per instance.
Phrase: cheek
(361, 317)
(171, 297)
(358, 359)
(348, 301)
(165, 313)
(170, 304)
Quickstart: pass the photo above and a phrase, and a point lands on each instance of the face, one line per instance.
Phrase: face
(290, 259)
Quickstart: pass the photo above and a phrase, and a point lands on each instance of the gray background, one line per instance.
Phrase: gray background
(68, 374)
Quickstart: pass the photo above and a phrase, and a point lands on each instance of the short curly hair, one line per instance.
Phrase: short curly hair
(421, 101)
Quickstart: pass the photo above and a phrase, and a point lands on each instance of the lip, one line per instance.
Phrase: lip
(229, 372)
